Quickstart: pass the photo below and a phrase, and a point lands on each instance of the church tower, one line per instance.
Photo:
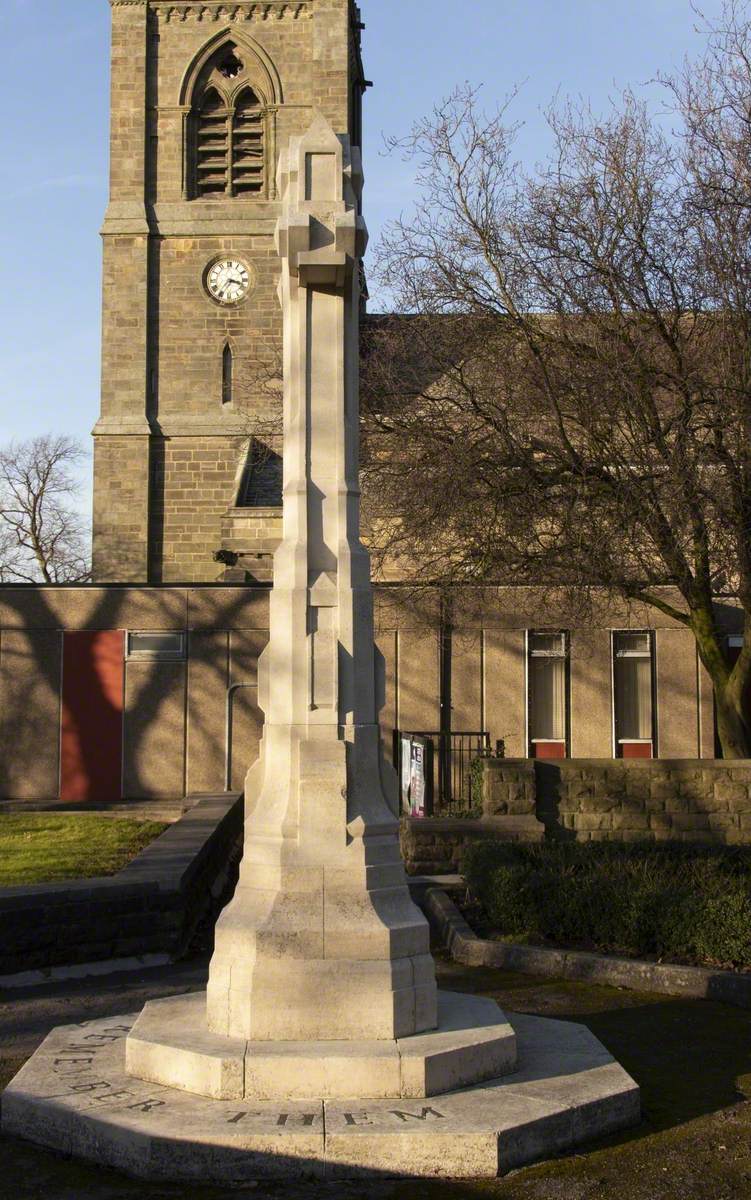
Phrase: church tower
(187, 482)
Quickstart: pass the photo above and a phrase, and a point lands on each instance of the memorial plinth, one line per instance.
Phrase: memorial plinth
(75, 1096)
(169, 1045)
(321, 1045)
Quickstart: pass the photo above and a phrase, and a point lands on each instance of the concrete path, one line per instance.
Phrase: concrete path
(27, 1015)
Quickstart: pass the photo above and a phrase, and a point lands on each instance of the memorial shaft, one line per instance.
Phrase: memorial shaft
(321, 940)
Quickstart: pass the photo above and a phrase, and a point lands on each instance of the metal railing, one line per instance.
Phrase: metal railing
(448, 782)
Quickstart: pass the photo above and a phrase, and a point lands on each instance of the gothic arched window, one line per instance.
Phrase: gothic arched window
(230, 128)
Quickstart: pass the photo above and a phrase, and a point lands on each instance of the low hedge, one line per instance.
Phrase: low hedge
(673, 900)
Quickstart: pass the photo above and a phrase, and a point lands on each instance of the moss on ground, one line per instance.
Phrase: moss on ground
(48, 847)
(692, 1059)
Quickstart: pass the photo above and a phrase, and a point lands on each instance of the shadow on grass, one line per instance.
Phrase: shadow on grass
(690, 1057)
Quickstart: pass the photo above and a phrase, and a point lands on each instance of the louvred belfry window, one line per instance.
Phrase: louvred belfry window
(229, 118)
(247, 146)
(212, 146)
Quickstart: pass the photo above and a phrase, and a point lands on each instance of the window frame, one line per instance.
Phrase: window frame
(565, 655)
(132, 655)
(651, 655)
(236, 171)
(223, 112)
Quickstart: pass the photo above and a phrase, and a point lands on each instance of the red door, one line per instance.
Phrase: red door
(91, 741)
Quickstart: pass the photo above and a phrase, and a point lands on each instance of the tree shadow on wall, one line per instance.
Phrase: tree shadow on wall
(31, 712)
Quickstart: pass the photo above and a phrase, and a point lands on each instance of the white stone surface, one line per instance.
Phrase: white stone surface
(171, 1045)
(74, 1096)
(321, 945)
(321, 941)
(474, 1042)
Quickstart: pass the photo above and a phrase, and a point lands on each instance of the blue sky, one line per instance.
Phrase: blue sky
(54, 151)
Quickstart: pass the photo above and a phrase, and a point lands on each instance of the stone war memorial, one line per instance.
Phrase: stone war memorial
(321, 1047)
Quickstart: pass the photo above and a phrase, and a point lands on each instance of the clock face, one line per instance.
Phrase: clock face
(228, 281)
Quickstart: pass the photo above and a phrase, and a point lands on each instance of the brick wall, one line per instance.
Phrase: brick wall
(590, 800)
(438, 846)
(194, 485)
(120, 516)
(253, 534)
(178, 715)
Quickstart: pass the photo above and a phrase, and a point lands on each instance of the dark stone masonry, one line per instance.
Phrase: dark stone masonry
(153, 906)
(661, 800)
(591, 800)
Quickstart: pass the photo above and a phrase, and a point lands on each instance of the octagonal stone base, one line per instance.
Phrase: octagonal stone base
(74, 1096)
(170, 1045)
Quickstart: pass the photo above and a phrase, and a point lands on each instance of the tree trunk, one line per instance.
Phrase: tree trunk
(732, 726)
(731, 684)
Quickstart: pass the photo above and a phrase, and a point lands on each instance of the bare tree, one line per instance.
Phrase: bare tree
(43, 536)
(569, 401)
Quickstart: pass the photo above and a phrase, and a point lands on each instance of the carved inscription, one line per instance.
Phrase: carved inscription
(147, 1105)
(421, 1116)
(75, 1066)
(285, 1120)
(364, 1118)
(282, 1120)
(361, 1118)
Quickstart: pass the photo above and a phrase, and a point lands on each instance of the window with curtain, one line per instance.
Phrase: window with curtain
(633, 684)
(547, 676)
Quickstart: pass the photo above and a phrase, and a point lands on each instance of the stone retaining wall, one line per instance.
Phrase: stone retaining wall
(151, 907)
(438, 845)
(591, 800)
(673, 979)
(637, 800)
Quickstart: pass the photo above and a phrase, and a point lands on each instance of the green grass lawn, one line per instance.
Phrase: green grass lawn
(46, 847)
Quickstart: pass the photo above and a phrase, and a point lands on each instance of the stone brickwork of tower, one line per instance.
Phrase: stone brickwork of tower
(203, 95)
